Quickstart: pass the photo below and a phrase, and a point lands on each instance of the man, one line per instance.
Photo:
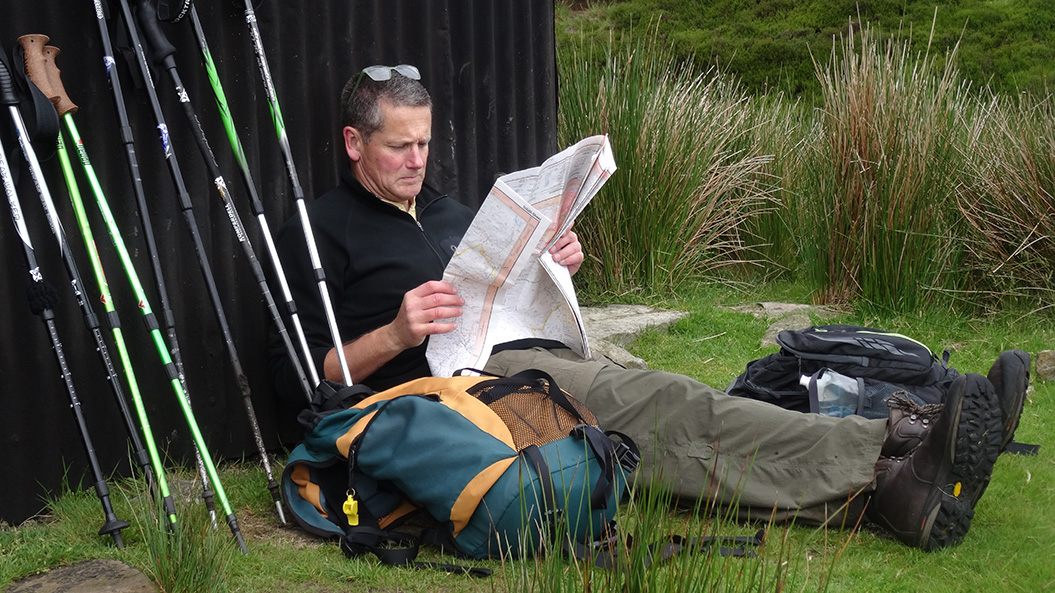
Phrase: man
(384, 238)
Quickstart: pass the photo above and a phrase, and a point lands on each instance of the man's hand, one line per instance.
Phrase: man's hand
(567, 251)
(420, 308)
(420, 311)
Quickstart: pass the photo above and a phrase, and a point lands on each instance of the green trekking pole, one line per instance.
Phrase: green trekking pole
(147, 229)
(247, 179)
(149, 318)
(155, 332)
(160, 50)
(43, 297)
(42, 71)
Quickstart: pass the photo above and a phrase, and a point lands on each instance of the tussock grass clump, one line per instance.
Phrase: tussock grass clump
(193, 557)
(1008, 197)
(689, 175)
(879, 223)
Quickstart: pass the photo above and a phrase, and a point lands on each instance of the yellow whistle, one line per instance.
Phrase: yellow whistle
(351, 510)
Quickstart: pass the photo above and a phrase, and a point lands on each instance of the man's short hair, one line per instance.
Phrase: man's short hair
(363, 111)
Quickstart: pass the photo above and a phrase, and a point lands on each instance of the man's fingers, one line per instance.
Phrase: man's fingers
(432, 314)
(439, 328)
(433, 287)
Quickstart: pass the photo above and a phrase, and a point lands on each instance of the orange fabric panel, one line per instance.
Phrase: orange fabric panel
(452, 394)
(344, 443)
(308, 490)
(474, 491)
(405, 508)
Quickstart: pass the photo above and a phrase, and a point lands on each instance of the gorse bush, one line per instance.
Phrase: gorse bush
(1009, 46)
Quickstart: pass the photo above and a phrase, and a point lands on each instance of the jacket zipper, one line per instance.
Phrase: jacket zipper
(435, 250)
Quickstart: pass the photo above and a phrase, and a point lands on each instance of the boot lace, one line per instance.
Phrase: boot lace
(901, 401)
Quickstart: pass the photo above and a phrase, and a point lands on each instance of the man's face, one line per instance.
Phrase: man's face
(392, 164)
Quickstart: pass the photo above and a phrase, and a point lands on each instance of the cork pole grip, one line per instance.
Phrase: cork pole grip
(33, 50)
(62, 101)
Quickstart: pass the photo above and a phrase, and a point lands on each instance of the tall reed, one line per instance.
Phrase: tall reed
(688, 175)
(879, 223)
(1008, 199)
(783, 129)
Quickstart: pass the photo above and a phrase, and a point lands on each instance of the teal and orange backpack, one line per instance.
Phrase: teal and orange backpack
(485, 467)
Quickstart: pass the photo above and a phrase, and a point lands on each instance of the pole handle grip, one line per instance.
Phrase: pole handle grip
(33, 53)
(173, 11)
(160, 48)
(62, 101)
(8, 95)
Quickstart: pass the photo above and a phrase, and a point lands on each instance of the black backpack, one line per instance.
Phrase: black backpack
(878, 364)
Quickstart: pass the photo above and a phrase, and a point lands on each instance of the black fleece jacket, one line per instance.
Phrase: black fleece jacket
(372, 254)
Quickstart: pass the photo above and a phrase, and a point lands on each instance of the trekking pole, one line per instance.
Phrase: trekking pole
(162, 52)
(192, 226)
(167, 318)
(42, 71)
(254, 199)
(298, 191)
(149, 318)
(42, 299)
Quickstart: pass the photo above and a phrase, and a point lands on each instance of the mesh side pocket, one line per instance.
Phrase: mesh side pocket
(873, 400)
(533, 417)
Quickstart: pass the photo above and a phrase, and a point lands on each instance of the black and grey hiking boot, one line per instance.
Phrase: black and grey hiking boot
(1010, 377)
(981, 432)
(927, 498)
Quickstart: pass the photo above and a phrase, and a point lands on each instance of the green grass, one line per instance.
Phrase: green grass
(1013, 531)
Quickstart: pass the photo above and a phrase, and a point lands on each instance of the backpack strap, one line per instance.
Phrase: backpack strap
(609, 454)
(1017, 448)
(331, 397)
(702, 545)
(550, 512)
(503, 386)
(361, 539)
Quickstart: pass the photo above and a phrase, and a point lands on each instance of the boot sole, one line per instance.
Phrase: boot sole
(1011, 381)
(976, 448)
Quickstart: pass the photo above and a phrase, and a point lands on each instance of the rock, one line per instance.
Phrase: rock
(618, 354)
(772, 310)
(92, 576)
(792, 321)
(609, 328)
(1046, 364)
(619, 324)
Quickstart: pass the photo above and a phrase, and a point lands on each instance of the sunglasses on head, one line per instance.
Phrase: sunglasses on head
(382, 73)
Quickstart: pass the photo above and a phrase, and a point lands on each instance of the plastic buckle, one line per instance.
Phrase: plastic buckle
(579, 431)
(628, 459)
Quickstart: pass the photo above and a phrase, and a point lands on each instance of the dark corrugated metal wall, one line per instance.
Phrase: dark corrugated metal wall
(490, 67)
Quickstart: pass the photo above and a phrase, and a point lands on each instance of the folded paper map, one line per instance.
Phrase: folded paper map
(502, 267)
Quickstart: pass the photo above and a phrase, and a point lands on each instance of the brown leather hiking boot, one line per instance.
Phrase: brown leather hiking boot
(909, 422)
(927, 498)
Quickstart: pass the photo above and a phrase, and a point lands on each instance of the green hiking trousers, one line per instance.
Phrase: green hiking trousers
(749, 456)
